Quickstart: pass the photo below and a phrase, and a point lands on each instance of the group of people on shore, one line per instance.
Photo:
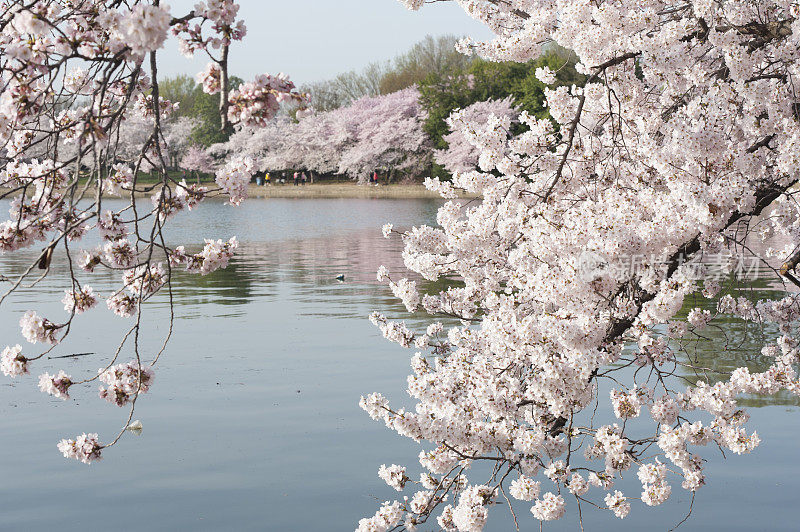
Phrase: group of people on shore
(298, 178)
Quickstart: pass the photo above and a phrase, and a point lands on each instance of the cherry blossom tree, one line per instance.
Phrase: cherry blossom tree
(134, 134)
(387, 134)
(462, 155)
(177, 137)
(320, 141)
(272, 147)
(197, 160)
(373, 133)
(80, 118)
(561, 360)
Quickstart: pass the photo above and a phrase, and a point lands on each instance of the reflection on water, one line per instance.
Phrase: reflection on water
(728, 343)
(253, 421)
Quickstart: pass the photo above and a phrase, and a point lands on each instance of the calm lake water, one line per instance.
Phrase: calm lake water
(253, 421)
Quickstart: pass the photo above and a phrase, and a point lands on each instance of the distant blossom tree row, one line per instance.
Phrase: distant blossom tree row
(380, 133)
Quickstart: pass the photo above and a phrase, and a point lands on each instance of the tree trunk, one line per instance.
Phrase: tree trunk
(224, 89)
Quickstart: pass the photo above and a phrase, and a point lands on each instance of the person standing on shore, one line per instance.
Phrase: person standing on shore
(295, 178)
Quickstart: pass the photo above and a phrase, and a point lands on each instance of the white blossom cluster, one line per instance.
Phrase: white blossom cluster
(257, 101)
(122, 304)
(384, 519)
(55, 385)
(12, 362)
(234, 178)
(394, 476)
(145, 28)
(215, 255)
(125, 382)
(121, 179)
(79, 301)
(222, 16)
(85, 448)
(210, 78)
(144, 281)
(37, 329)
(525, 488)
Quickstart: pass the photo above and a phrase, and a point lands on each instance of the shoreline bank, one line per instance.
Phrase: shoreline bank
(341, 190)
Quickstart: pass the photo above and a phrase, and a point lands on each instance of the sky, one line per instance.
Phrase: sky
(312, 40)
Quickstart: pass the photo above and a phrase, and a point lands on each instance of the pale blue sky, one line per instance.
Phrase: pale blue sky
(316, 39)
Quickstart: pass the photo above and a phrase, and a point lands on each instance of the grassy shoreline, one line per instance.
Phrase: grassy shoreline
(341, 190)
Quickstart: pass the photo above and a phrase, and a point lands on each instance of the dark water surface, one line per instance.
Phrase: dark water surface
(253, 420)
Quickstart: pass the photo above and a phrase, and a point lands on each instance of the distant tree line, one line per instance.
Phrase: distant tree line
(194, 103)
(445, 79)
(479, 80)
(432, 55)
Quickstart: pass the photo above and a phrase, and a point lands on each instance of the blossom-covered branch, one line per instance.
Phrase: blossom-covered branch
(81, 119)
(685, 135)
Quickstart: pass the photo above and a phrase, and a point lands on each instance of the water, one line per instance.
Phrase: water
(253, 421)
